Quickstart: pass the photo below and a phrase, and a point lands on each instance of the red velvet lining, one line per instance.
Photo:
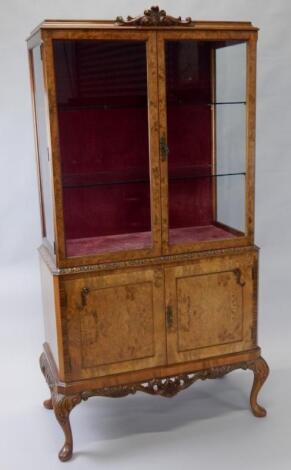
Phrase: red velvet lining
(197, 234)
(142, 240)
(133, 241)
(103, 127)
(189, 133)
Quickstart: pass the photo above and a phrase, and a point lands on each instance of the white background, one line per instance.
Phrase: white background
(209, 425)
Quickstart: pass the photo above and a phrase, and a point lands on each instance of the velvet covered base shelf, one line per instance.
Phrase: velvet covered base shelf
(142, 240)
(145, 139)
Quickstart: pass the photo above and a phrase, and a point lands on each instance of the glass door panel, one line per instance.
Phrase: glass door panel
(206, 139)
(102, 103)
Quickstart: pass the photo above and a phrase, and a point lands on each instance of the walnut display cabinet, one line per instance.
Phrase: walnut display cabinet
(145, 137)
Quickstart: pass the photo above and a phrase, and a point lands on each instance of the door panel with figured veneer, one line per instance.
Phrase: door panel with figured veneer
(116, 323)
(212, 305)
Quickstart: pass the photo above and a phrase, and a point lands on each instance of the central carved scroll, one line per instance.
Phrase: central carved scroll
(153, 17)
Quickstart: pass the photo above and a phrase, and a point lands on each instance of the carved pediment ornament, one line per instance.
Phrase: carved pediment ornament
(153, 17)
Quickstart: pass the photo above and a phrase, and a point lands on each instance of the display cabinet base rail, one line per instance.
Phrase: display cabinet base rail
(63, 403)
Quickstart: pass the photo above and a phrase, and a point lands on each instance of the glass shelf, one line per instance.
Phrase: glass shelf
(188, 102)
(88, 181)
(69, 107)
(105, 178)
(185, 177)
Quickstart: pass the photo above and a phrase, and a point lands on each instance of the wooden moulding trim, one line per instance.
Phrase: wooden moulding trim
(111, 24)
(209, 367)
(145, 262)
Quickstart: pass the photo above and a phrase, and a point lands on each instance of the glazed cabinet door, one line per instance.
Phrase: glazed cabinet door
(210, 308)
(206, 109)
(104, 127)
(114, 323)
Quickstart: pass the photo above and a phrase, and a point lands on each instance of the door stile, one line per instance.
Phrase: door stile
(250, 135)
(163, 153)
(213, 136)
(153, 126)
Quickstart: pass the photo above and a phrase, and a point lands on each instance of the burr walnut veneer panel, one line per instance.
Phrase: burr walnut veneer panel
(115, 322)
(212, 308)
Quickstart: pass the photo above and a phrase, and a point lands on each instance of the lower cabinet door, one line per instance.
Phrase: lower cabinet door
(210, 308)
(114, 323)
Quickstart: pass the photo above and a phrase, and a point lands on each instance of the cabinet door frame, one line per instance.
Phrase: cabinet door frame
(79, 292)
(251, 38)
(50, 85)
(243, 271)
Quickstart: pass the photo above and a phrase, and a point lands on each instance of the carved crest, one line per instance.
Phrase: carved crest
(153, 17)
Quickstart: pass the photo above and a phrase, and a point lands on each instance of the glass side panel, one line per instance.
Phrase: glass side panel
(230, 202)
(230, 131)
(223, 194)
(206, 137)
(230, 73)
(103, 127)
(42, 143)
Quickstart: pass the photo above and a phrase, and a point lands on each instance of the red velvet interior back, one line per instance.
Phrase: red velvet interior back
(189, 133)
(97, 201)
(103, 127)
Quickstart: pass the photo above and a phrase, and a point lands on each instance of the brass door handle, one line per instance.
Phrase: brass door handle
(164, 149)
(170, 316)
(84, 292)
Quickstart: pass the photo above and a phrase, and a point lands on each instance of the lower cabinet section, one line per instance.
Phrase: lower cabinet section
(114, 323)
(138, 319)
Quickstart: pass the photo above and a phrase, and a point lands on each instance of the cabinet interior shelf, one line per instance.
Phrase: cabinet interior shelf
(172, 102)
(69, 182)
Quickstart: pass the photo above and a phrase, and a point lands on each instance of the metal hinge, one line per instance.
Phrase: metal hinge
(41, 51)
(169, 316)
(164, 149)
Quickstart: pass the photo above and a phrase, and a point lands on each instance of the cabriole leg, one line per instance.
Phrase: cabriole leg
(63, 406)
(261, 371)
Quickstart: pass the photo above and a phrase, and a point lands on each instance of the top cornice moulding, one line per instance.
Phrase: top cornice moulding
(152, 18)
